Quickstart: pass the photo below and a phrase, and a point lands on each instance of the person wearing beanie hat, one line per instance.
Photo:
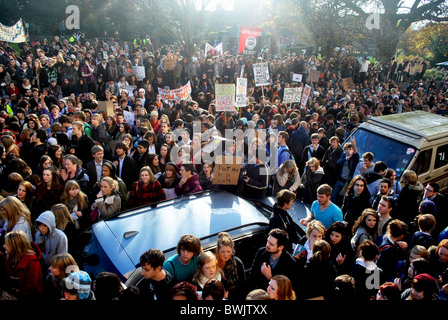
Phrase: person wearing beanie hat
(427, 207)
(423, 288)
(77, 286)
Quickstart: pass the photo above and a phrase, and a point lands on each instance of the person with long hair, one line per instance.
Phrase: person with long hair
(365, 227)
(25, 193)
(164, 156)
(24, 278)
(56, 155)
(169, 180)
(110, 170)
(73, 170)
(311, 180)
(280, 288)
(207, 269)
(111, 126)
(146, 190)
(356, 199)
(154, 164)
(61, 265)
(77, 204)
(206, 177)
(338, 235)
(44, 162)
(319, 273)
(49, 190)
(231, 266)
(16, 216)
(64, 222)
(108, 201)
(286, 177)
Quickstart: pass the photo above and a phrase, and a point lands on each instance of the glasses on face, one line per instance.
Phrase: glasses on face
(429, 189)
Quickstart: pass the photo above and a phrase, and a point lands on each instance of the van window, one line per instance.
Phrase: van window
(441, 157)
(423, 162)
(394, 153)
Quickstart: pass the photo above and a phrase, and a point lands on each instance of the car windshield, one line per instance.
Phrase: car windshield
(395, 154)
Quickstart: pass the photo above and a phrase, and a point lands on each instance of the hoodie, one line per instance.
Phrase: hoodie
(191, 186)
(54, 242)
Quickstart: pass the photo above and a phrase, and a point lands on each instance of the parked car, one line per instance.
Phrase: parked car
(116, 243)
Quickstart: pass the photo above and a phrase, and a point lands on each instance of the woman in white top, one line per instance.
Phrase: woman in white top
(15, 216)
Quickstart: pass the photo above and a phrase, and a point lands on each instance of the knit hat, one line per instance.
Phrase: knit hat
(427, 207)
(425, 278)
(78, 282)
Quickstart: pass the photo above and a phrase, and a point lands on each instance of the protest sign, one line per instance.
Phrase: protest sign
(227, 171)
(348, 83)
(176, 94)
(297, 77)
(129, 89)
(15, 33)
(418, 67)
(241, 92)
(129, 117)
(139, 72)
(107, 107)
(306, 94)
(249, 40)
(292, 95)
(261, 74)
(225, 97)
(314, 75)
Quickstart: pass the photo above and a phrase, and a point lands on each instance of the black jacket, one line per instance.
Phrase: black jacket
(285, 266)
(282, 220)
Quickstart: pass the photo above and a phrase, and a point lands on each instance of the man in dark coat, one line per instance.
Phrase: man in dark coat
(81, 143)
(280, 218)
(272, 260)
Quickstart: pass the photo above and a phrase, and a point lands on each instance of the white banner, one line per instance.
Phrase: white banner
(261, 74)
(292, 95)
(177, 94)
(241, 92)
(15, 33)
(212, 49)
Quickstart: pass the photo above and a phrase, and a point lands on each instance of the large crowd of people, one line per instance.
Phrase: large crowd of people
(65, 164)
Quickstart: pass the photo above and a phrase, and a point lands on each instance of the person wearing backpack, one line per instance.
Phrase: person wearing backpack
(283, 153)
(392, 249)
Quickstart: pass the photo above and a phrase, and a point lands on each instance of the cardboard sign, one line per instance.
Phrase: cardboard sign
(306, 94)
(348, 84)
(139, 72)
(292, 95)
(241, 92)
(314, 75)
(225, 97)
(418, 67)
(261, 74)
(297, 77)
(176, 94)
(227, 172)
(107, 107)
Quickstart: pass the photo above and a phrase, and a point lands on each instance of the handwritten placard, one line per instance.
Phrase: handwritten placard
(225, 97)
(227, 172)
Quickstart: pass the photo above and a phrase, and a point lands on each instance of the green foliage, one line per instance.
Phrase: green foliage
(434, 74)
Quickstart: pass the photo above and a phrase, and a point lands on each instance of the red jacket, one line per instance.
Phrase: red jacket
(27, 276)
(140, 194)
(191, 186)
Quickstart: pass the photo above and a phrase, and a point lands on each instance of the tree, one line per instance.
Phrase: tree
(185, 21)
(394, 18)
